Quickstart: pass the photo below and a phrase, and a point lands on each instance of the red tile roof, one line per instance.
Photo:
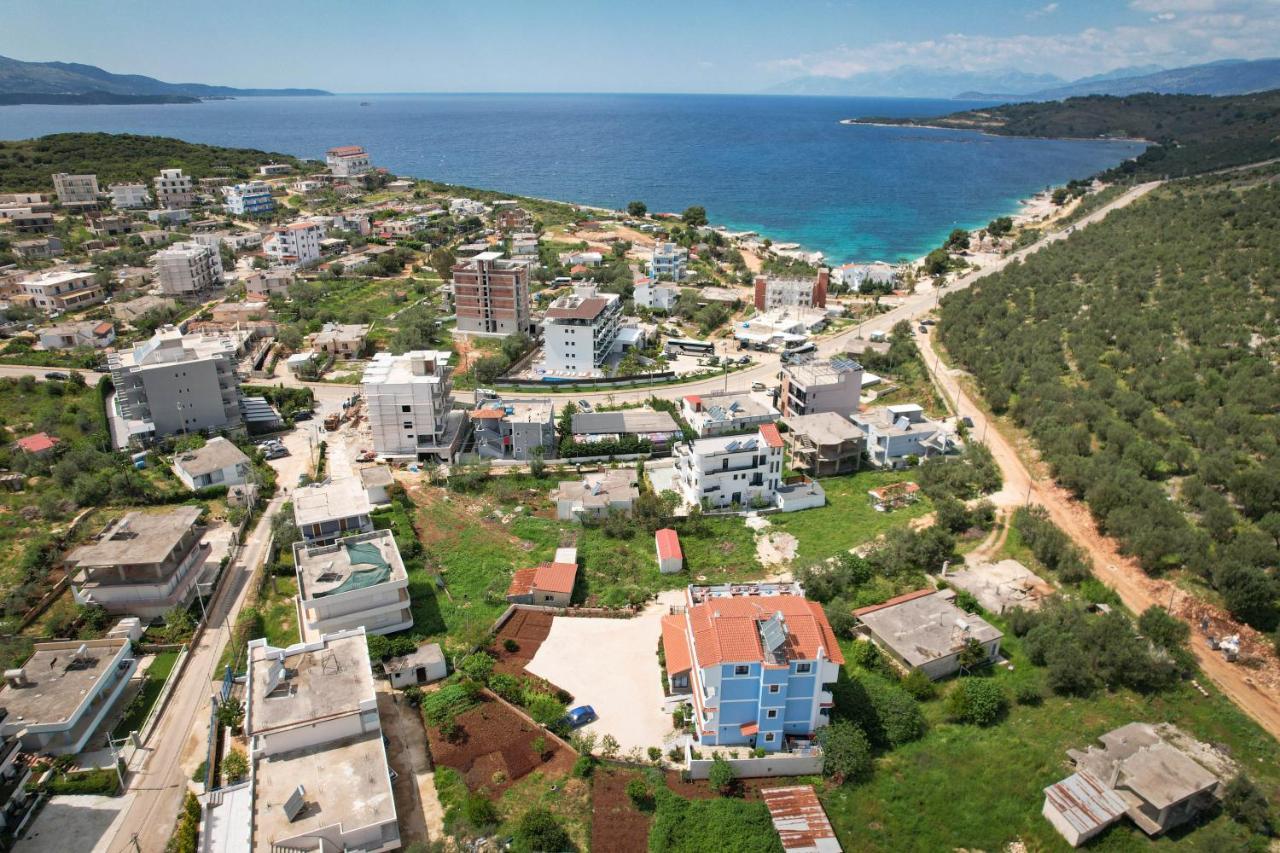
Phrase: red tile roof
(799, 818)
(38, 443)
(899, 599)
(675, 645)
(726, 629)
(694, 399)
(521, 582)
(555, 577)
(103, 328)
(496, 414)
(668, 544)
(771, 436)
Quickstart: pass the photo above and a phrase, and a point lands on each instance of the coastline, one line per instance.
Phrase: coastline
(853, 122)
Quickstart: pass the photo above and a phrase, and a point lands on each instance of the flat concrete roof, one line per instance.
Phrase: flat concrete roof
(426, 654)
(624, 421)
(346, 782)
(332, 679)
(1141, 761)
(218, 453)
(138, 538)
(322, 569)
(327, 501)
(57, 682)
(927, 627)
(822, 372)
(823, 427)
(614, 484)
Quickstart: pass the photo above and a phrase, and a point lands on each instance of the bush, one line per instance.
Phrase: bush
(978, 701)
(545, 709)
(235, 766)
(539, 830)
(584, 766)
(186, 835)
(511, 645)
(479, 812)
(885, 712)
(846, 752)
(655, 754)
(507, 686)
(720, 776)
(1028, 691)
(639, 794)
(919, 685)
(478, 666)
(1247, 805)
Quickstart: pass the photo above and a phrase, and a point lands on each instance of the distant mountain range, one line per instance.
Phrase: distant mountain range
(72, 82)
(1227, 77)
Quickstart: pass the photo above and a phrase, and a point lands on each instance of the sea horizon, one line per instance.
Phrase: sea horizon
(780, 165)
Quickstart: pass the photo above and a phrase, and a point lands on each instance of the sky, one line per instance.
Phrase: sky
(655, 46)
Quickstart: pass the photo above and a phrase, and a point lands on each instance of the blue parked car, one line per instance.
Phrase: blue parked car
(580, 716)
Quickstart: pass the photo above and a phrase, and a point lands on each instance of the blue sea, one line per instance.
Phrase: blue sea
(783, 166)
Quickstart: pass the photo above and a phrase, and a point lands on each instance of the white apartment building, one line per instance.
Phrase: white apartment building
(175, 383)
(187, 269)
(833, 385)
(129, 195)
(348, 161)
(252, 198)
(296, 245)
(579, 331)
(56, 291)
(76, 190)
(407, 399)
(63, 692)
(326, 512)
(174, 190)
(461, 208)
(143, 564)
(357, 581)
(772, 293)
(668, 262)
(895, 434)
(656, 297)
(319, 777)
(719, 472)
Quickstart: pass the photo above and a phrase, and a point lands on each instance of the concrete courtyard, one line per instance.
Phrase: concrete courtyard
(612, 665)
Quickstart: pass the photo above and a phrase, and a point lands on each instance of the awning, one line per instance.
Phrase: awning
(749, 729)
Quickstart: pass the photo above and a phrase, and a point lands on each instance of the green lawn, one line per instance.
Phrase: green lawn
(961, 786)
(152, 683)
(848, 519)
(279, 611)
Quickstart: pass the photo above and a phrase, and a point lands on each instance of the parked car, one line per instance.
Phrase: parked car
(584, 406)
(302, 416)
(580, 716)
(757, 386)
(56, 375)
(924, 330)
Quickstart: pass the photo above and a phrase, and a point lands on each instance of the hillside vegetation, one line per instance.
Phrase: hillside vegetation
(26, 164)
(1192, 133)
(1141, 355)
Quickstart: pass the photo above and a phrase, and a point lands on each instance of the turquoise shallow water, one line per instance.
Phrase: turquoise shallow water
(784, 166)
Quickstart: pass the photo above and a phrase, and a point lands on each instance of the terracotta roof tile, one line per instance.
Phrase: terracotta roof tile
(555, 577)
(771, 436)
(675, 645)
(668, 544)
(521, 582)
(38, 443)
(726, 629)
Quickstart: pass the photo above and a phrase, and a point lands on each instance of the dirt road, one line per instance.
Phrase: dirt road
(1254, 690)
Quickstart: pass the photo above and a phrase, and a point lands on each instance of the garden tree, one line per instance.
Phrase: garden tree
(720, 776)
(231, 713)
(937, 262)
(1053, 548)
(1000, 226)
(478, 666)
(958, 239)
(1247, 804)
(442, 261)
(539, 832)
(980, 701)
(846, 752)
(538, 462)
(1158, 626)
(886, 713)
(695, 216)
(639, 794)
(234, 766)
(637, 209)
(972, 655)
(545, 709)
(417, 328)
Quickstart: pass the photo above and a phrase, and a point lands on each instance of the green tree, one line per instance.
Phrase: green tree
(637, 209)
(979, 701)
(1158, 626)
(234, 766)
(480, 812)
(695, 216)
(1247, 805)
(478, 666)
(846, 752)
(545, 709)
(539, 832)
(958, 239)
(1000, 226)
(720, 776)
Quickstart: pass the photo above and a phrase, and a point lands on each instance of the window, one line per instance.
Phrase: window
(771, 714)
(769, 737)
(741, 669)
(680, 681)
(404, 408)
(775, 688)
(804, 667)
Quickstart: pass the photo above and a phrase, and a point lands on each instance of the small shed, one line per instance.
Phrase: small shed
(800, 820)
(423, 666)
(670, 558)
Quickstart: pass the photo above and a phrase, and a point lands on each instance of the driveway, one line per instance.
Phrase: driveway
(66, 822)
(612, 665)
(417, 806)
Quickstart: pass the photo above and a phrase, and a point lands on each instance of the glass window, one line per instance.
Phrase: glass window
(741, 670)
(804, 667)
(771, 714)
(774, 688)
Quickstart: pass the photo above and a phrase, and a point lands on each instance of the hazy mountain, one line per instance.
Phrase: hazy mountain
(18, 78)
(1227, 77)
(914, 82)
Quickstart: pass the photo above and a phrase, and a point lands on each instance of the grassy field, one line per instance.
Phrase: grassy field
(279, 611)
(152, 683)
(961, 786)
(848, 519)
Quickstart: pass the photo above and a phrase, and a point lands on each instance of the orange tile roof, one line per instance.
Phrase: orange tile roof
(910, 596)
(555, 577)
(38, 443)
(496, 414)
(668, 544)
(102, 328)
(521, 582)
(726, 629)
(771, 436)
(675, 645)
